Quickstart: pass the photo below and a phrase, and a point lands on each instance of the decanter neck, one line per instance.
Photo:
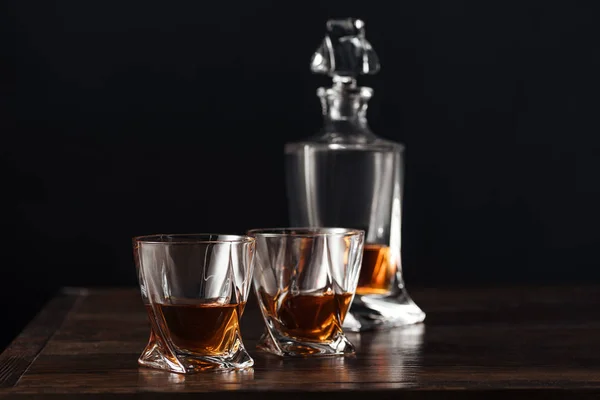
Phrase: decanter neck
(345, 108)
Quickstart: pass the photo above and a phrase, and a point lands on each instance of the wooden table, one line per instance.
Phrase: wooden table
(485, 343)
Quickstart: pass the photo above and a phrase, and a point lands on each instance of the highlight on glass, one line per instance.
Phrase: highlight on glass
(194, 288)
(305, 280)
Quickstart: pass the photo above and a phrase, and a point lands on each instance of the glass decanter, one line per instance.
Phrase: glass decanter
(346, 176)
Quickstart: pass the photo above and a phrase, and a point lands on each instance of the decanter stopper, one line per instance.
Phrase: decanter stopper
(345, 53)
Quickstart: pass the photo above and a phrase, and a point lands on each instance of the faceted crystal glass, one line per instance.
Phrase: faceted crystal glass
(305, 280)
(194, 288)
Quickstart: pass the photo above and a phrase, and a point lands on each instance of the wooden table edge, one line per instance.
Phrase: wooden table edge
(16, 359)
(395, 394)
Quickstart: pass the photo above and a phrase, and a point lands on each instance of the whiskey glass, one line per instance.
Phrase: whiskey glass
(305, 280)
(194, 288)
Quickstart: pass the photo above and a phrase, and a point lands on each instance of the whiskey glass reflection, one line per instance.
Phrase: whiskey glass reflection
(305, 280)
(194, 288)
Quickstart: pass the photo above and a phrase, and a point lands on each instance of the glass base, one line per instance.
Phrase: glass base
(288, 347)
(375, 312)
(159, 356)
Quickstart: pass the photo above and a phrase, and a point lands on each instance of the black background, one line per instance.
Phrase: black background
(130, 117)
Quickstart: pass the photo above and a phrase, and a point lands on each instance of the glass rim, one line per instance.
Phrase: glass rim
(193, 238)
(305, 231)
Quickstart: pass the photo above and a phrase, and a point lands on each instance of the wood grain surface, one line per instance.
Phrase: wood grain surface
(519, 342)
